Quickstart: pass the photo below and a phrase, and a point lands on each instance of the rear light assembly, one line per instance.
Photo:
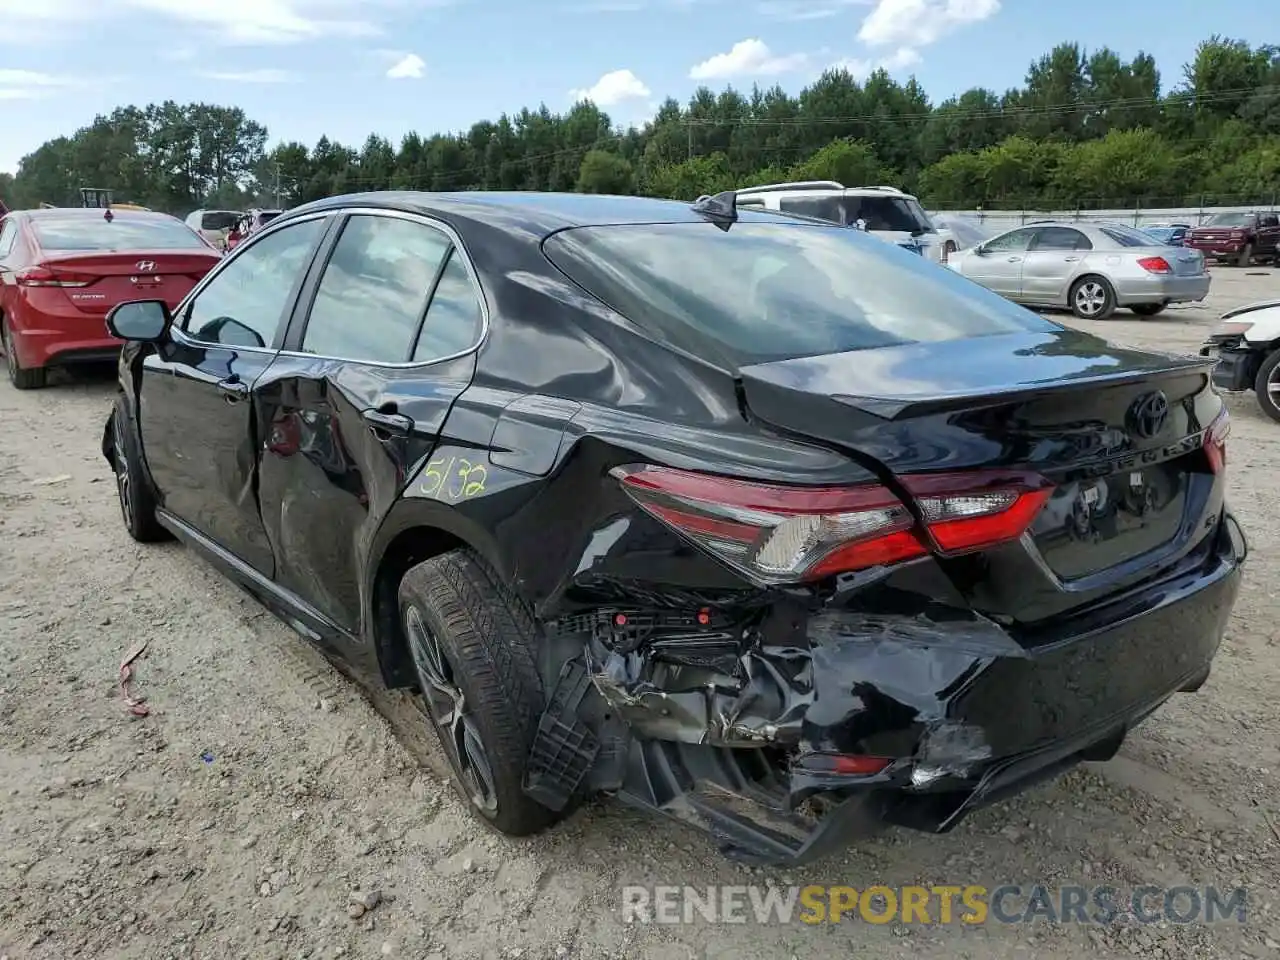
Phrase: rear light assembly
(45, 277)
(1155, 265)
(782, 534)
(1215, 441)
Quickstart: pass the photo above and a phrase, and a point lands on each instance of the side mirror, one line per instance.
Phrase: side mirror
(145, 321)
(980, 250)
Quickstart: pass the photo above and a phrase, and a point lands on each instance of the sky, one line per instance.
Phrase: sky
(348, 68)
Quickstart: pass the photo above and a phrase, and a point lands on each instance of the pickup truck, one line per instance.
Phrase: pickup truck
(1240, 238)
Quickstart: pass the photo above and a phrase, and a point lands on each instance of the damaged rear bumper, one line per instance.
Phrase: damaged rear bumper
(953, 712)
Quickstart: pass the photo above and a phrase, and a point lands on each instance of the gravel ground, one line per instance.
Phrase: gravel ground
(237, 820)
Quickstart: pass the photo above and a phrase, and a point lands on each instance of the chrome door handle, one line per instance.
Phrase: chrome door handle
(1015, 259)
(1070, 259)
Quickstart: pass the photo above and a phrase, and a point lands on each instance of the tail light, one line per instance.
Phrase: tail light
(46, 277)
(1215, 441)
(1155, 264)
(781, 534)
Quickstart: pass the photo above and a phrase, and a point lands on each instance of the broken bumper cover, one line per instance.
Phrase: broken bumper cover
(967, 717)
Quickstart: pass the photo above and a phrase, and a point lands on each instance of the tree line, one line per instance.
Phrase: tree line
(1087, 129)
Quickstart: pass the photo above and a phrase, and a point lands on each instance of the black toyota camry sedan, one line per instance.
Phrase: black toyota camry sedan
(752, 520)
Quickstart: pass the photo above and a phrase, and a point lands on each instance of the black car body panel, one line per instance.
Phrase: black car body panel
(704, 693)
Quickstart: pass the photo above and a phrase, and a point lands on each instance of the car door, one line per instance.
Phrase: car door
(997, 264)
(381, 346)
(196, 402)
(1268, 234)
(1052, 260)
(8, 238)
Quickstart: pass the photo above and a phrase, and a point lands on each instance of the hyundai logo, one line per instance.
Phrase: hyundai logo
(1147, 415)
(146, 266)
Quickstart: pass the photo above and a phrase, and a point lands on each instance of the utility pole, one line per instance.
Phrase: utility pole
(279, 206)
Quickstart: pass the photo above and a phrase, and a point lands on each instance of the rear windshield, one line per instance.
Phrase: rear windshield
(773, 291)
(96, 233)
(219, 220)
(1130, 238)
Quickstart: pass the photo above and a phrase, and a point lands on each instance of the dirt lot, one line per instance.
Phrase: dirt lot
(237, 819)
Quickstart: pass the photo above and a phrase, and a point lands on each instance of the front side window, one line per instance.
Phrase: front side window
(887, 214)
(1011, 242)
(771, 291)
(245, 303)
(374, 289)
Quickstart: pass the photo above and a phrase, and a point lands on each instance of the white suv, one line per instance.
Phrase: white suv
(887, 212)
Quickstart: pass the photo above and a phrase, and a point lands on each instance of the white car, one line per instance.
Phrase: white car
(213, 225)
(1246, 344)
(884, 212)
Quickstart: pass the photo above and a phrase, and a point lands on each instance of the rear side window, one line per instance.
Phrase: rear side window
(8, 234)
(1061, 238)
(374, 290)
(822, 208)
(454, 319)
(120, 233)
(771, 291)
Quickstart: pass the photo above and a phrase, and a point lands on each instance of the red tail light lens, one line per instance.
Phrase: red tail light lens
(780, 534)
(1215, 441)
(45, 277)
(1155, 264)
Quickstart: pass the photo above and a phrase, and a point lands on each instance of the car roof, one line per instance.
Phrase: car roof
(541, 213)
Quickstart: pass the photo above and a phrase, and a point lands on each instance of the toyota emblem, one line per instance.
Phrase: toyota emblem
(1148, 414)
(146, 266)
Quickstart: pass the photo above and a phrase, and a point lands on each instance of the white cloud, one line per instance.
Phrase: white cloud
(230, 21)
(918, 23)
(251, 76)
(807, 9)
(409, 67)
(748, 58)
(613, 88)
(30, 84)
(859, 68)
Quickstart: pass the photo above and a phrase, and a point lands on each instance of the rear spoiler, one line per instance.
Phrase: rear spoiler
(906, 407)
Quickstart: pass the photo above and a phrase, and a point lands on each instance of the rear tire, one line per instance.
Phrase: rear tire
(1267, 386)
(1092, 298)
(472, 645)
(20, 377)
(1246, 256)
(1147, 309)
(137, 503)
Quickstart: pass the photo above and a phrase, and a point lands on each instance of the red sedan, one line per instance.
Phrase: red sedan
(62, 270)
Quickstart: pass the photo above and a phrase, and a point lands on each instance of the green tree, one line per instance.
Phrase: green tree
(604, 172)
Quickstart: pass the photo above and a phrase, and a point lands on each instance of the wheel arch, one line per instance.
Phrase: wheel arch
(414, 531)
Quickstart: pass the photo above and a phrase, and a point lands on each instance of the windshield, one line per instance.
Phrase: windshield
(1130, 236)
(219, 219)
(771, 291)
(96, 233)
(1230, 220)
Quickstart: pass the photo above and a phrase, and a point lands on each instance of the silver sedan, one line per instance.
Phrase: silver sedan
(1088, 268)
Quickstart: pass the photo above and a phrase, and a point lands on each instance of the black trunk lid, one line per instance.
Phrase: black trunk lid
(1134, 489)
